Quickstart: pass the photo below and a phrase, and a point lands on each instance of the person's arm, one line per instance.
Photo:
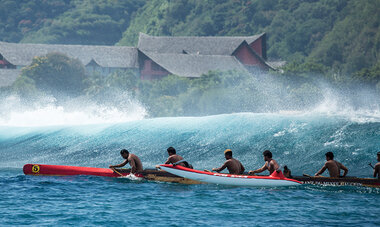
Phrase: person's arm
(119, 165)
(242, 169)
(344, 169)
(321, 170)
(259, 170)
(133, 165)
(220, 168)
(168, 161)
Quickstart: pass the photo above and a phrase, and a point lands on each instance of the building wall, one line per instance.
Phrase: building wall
(246, 57)
(4, 64)
(259, 46)
(151, 70)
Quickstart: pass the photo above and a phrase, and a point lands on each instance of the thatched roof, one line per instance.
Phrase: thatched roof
(203, 45)
(21, 54)
(8, 76)
(193, 65)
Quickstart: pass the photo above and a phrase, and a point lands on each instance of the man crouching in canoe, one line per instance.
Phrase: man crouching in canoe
(133, 160)
(175, 159)
(333, 166)
(270, 164)
(234, 166)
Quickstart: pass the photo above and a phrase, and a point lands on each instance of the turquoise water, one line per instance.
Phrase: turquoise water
(298, 140)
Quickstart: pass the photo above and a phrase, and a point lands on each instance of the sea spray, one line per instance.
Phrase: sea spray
(297, 140)
(47, 112)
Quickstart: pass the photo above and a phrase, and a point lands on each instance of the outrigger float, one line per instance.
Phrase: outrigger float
(179, 174)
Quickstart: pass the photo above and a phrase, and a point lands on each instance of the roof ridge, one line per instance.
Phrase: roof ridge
(71, 45)
(152, 36)
(208, 55)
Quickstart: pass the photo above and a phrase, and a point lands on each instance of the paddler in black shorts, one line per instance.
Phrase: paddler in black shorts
(270, 164)
(234, 166)
(132, 159)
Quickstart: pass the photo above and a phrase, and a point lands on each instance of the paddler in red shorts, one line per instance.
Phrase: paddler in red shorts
(234, 166)
(132, 159)
(270, 164)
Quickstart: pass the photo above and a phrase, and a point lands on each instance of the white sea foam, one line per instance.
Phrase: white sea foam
(336, 107)
(51, 114)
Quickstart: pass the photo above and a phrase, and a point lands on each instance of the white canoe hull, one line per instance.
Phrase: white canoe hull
(230, 179)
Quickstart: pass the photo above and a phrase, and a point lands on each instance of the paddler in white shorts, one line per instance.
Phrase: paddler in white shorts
(270, 164)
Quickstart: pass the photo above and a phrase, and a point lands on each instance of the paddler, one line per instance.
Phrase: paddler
(270, 164)
(132, 159)
(234, 166)
(376, 171)
(175, 159)
(333, 166)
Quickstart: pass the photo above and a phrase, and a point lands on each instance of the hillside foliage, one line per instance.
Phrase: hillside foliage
(343, 35)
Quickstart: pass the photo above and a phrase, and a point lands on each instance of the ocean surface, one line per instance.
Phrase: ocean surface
(298, 140)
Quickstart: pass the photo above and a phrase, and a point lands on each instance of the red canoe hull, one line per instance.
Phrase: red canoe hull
(58, 170)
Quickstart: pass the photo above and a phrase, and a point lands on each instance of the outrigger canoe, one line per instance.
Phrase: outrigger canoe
(274, 180)
(156, 175)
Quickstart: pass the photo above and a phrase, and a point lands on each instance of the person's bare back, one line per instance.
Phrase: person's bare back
(174, 159)
(132, 159)
(270, 164)
(333, 166)
(234, 166)
(135, 163)
(377, 170)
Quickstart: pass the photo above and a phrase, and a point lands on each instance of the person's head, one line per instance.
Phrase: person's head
(228, 154)
(267, 155)
(171, 151)
(378, 156)
(329, 156)
(124, 153)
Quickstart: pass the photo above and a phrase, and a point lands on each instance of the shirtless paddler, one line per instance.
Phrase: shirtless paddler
(270, 164)
(234, 166)
(132, 159)
(333, 166)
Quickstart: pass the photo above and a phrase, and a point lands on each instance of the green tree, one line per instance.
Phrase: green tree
(25, 87)
(56, 74)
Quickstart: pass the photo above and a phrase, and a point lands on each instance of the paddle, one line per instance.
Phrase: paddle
(116, 171)
(307, 175)
(371, 165)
